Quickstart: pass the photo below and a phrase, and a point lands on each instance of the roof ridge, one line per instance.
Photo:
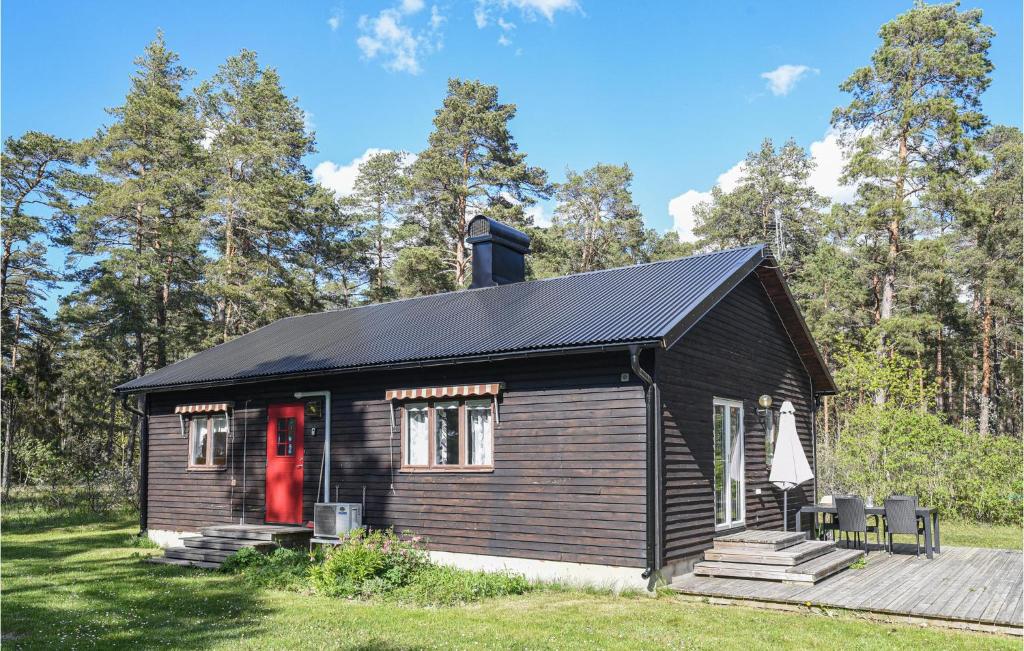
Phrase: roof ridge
(535, 280)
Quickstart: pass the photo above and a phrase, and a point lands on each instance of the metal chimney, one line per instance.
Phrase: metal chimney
(498, 253)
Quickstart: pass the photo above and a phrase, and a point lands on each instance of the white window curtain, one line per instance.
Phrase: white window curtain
(416, 449)
(200, 431)
(219, 427)
(480, 433)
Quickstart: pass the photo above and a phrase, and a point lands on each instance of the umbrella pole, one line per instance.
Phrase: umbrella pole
(785, 510)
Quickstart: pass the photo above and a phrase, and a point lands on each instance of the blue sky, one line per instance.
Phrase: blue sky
(676, 89)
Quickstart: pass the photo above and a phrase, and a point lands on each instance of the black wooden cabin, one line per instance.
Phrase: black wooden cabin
(606, 419)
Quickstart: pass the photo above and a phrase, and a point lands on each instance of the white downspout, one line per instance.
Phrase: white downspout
(326, 395)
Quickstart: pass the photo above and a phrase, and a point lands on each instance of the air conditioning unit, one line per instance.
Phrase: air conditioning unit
(336, 519)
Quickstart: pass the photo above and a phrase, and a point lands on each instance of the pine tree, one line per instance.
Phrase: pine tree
(34, 166)
(910, 124)
(597, 221)
(142, 214)
(324, 258)
(258, 188)
(379, 202)
(140, 223)
(773, 204)
(993, 263)
(472, 165)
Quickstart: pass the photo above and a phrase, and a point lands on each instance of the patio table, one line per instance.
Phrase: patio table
(929, 515)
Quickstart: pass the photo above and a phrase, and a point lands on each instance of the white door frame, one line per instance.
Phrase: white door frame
(726, 453)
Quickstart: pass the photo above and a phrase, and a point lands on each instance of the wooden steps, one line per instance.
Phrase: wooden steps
(792, 555)
(210, 549)
(163, 560)
(279, 534)
(774, 556)
(763, 540)
(228, 544)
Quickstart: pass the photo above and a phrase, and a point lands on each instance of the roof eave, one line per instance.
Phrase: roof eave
(441, 361)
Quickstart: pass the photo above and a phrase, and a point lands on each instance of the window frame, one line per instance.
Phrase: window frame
(209, 466)
(463, 424)
(727, 404)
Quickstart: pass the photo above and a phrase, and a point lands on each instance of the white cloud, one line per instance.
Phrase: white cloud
(398, 44)
(411, 6)
(209, 135)
(829, 162)
(504, 41)
(334, 22)
(682, 207)
(341, 178)
(436, 19)
(480, 16)
(827, 154)
(540, 217)
(528, 9)
(784, 78)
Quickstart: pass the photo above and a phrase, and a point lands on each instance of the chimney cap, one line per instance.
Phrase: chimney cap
(484, 229)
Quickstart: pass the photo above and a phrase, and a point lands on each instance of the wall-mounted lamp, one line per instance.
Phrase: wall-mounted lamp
(767, 415)
(314, 408)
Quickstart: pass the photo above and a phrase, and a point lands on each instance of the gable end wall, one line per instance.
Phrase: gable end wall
(739, 351)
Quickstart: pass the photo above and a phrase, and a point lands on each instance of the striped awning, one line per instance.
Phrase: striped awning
(202, 409)
(458, 391)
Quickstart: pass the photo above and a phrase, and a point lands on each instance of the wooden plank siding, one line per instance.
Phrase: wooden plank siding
(569, 479)
(739, 351)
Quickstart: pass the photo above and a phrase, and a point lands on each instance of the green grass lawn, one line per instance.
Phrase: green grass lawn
(970, 534)
(79, 583)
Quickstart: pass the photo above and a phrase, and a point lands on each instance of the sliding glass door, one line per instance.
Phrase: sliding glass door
(728, 438)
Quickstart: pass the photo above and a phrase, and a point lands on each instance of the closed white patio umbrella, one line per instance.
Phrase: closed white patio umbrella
(789, 465)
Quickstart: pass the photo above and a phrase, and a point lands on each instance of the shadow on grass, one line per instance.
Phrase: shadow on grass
(80, 587)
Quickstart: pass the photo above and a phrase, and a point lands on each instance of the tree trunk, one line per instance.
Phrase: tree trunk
(108, 452)
(963, 393)
(229, 257)
(8, 461)
(380, 251)
(893, 228)
(985, 397)
(950, 388)
(940, 404)
(462, 205)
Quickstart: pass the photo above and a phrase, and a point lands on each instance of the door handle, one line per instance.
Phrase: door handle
(299, 465)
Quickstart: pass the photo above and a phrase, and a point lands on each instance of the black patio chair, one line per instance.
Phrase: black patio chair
(853, 519)
(901, 518)
(827, 526)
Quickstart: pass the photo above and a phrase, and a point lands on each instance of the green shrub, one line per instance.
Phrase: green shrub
(368, 564)
(439, 585)
(884, 450)
(141, 542)
(373, 565)
(903, 446)
(282, 568)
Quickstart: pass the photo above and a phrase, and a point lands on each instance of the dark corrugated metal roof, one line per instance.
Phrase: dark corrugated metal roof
(617, 306)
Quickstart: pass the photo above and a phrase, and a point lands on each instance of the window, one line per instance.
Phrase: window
(478, 427)
(446, 434)
(449, 435)
(286, 437)
(208, 444)
(727, 435)
(416, 445)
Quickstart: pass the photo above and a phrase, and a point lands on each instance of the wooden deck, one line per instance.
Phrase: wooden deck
(963, 587)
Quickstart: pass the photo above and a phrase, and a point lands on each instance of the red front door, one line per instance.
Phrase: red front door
(284, 463)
